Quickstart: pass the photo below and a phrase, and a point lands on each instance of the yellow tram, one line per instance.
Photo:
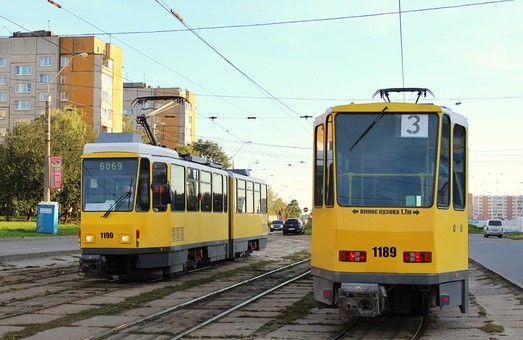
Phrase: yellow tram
(148, 210)
(390, 217)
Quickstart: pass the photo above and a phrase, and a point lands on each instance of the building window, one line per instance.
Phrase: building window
(22, 105)
(64, 96)
(63, 79)
(42, 96)
(46, 61)
(3, 132)
(3, 62)
(44, 78)
(128, 112)
(3, 97)
(23, 70)
(3, 114)
(3, 80)
(23, 88)
(64, 61)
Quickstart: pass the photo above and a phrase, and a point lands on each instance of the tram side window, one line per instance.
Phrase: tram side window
(142, 198)
(205, 189)
(240, 201)
(177, 188)
(192, 190)
(160, 192)
(263, 199)
(217, 193)
(329, 171)
(225, 197)
(249, 194)
(257, 197)
(444, 165)
(318, 172)
(459, 166)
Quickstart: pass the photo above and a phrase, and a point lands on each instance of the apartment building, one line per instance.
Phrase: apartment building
(504, 207)
(173, 126)
(84, 72)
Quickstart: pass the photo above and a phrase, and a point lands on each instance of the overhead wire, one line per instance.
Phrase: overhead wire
(228, 61)
(313, 20)
(154, 60)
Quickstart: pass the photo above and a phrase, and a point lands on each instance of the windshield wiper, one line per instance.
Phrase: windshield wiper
(118, 203)
(369, 128)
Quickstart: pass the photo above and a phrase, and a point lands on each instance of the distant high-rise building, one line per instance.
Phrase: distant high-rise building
(504, 207)
(36, 63)
(176, 125)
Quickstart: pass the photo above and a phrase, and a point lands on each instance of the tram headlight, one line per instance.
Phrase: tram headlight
(125, 238)
(89, 238)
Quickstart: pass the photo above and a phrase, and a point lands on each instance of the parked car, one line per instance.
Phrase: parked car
(293, 226)
(276, 225)
(493, 227)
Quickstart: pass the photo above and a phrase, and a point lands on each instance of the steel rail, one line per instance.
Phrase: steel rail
(240, 305)
(188, 302)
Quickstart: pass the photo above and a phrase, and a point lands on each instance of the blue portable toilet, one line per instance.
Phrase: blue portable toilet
(47, 217)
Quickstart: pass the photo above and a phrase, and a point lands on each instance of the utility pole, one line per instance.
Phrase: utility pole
(47, 131)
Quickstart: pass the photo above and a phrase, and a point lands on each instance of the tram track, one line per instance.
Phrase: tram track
(384, 327)
(213, 294)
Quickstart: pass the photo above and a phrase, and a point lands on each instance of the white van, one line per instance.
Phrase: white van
(493, 227)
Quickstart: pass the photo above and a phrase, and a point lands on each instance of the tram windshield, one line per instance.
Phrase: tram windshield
(386, 160)
(108, 184)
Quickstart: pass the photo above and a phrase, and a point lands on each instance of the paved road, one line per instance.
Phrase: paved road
(502, 256)
(14, 248)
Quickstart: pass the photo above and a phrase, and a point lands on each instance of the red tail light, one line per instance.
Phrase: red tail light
(137, 238)
(417, 257)
(352, 256)
(79, 237)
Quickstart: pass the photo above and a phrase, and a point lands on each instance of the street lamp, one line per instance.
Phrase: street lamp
(253, 163)
(47, 131)
(232, 158)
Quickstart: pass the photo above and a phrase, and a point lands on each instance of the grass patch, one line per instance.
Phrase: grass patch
(514, 236)
(491, 327)
(298, 256)
(16, 228)
(475, 230)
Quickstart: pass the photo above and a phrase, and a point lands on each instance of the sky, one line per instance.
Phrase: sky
(265, 69)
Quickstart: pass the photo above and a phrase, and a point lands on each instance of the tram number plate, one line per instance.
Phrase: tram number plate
(106, 234)
(384, 251)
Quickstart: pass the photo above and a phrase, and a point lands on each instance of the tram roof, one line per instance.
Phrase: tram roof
(125, 142)
(393, 108)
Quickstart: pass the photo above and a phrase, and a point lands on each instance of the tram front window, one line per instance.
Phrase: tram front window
(108, 184)
(385, 160)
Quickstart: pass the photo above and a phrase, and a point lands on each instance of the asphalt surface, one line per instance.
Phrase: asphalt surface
(27, 247)
(502, 256)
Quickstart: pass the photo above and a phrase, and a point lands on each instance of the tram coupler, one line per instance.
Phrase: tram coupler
(361, 299)
(91, 265)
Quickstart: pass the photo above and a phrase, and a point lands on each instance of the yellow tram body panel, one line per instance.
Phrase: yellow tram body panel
(446, 237)
(390, 207)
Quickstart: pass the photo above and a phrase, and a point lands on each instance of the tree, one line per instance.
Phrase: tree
(293, 209)
(22, 160)
(21, 166)
(213, 152)
(276, 204)
(74, 134)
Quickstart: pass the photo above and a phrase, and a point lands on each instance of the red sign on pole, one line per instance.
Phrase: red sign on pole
(305, 209)
(56, 172)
